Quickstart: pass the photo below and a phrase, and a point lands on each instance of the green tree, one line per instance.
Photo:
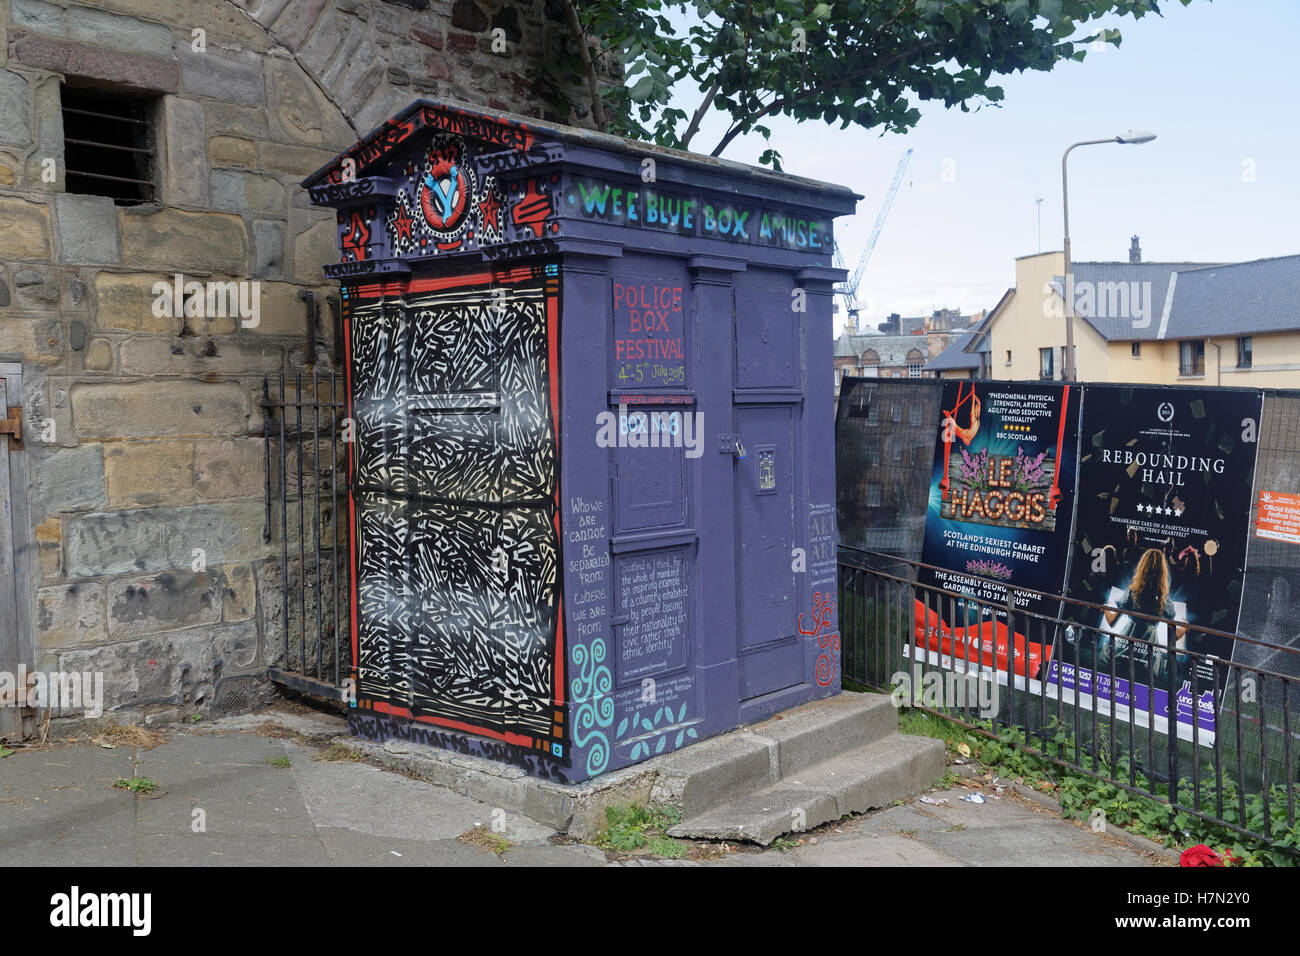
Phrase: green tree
(864, 62)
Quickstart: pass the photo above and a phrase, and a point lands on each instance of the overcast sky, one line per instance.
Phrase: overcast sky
(1219, 83)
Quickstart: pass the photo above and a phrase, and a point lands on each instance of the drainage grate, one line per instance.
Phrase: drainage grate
(235, 695)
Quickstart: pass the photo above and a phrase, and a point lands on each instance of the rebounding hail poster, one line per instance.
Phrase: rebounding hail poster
(1163, 519)
(1001, 499)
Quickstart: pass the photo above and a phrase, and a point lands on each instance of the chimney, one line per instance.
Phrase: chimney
(1134, 251)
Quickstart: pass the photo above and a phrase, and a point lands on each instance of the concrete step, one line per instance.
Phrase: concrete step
(865, 778)
(702, 776)
(814, 733)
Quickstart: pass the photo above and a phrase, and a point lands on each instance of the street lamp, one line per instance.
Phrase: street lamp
(1132, 137)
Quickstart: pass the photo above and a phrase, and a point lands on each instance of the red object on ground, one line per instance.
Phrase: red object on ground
(1200, 855)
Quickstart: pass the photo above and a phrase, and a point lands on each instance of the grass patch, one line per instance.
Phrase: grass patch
(281, 763)
(630, 828)
(135, 784)
(482, 837)
(5, 753)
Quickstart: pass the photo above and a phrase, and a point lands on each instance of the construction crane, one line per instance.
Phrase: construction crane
(849, 290)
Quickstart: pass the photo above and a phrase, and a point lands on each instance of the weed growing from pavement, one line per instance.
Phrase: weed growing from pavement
(629, 828)
(280, 762)
(135, 784)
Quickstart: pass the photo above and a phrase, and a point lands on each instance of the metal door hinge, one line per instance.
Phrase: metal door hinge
(13, 425)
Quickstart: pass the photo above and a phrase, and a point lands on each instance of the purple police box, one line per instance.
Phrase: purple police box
(592, 483)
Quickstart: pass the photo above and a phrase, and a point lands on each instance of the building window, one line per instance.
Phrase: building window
(913, 369)
(1008, 356)
(1137, 349)
(1045, 369)
(109, 144)
(1244, 348)
(1191, 358)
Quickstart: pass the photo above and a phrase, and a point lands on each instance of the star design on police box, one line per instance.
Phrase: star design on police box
(402, 224)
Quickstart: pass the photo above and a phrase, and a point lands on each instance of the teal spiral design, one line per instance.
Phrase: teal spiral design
(595, 711)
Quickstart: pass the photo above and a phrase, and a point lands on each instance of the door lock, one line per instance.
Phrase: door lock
(731, 445)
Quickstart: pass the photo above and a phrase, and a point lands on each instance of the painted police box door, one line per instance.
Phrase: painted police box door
(456, 396)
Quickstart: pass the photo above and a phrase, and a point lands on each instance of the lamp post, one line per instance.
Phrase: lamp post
(1132, 137)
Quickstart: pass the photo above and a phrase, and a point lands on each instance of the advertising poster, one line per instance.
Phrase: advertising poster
(1001, 499)
(1165, 489)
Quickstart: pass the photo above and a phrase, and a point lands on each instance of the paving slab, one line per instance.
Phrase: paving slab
(367, 799)
(870, 849)
(351, 848)
(230, 849)
(58, 808)
(231, 778)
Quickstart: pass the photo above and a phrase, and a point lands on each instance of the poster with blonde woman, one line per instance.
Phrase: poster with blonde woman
(1159, 550)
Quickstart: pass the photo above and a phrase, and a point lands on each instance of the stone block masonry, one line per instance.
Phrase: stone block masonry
(144, 439)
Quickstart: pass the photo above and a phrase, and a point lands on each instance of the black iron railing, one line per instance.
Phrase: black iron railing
(1233, 763)
(307, 443)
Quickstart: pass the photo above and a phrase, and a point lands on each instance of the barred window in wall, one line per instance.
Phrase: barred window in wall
(109, 144)
(913, 369)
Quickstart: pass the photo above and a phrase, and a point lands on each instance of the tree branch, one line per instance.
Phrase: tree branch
(694, 126)
(593, 84)
(775, 106)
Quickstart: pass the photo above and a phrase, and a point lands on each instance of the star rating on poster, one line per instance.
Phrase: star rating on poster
(1175, 512)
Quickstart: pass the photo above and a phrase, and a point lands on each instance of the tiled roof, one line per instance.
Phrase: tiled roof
(892, 349)
(1183, 300)
(1123, 300)
(955, 355)
(1240, 299)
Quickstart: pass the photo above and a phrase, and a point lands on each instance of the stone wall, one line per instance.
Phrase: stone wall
(143, 432)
